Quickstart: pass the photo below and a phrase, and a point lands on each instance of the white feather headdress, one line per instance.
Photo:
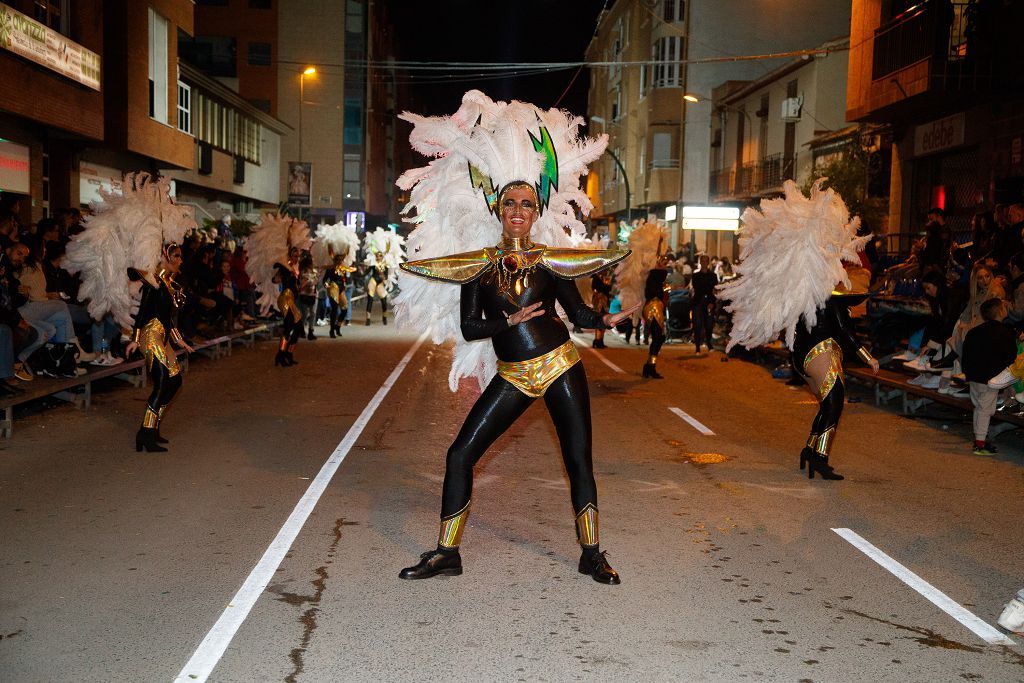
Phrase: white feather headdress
(128, 229)
(648, 241)
(268, 244)
(332, 240)
(391, 245)
(791, 259)
(476, 152)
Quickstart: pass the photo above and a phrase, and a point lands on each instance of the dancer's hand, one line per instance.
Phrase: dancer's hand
(525, 313)
(873, 364)
(130, 349)
(612, 319)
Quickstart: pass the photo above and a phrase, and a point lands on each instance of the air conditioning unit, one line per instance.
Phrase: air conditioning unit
(791, 107)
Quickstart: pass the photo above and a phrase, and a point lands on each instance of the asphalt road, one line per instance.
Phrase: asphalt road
(115, 565)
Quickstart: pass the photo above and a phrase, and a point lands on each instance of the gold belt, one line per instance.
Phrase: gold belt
(153, 342)
(835, 368)
(535, 375)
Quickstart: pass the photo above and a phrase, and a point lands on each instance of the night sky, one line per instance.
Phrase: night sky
(488, 31)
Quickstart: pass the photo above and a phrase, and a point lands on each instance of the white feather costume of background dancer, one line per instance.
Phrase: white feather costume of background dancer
(128, 229)
(791, 259)
(392, 245)
(478, 150)
(648, 241)
(332, 239)
(269, 244)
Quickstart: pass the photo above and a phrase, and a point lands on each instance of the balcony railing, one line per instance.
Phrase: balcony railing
(946, 33)
(753, 177)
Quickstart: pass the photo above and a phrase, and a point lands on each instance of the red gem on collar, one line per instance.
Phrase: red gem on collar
(511, 263)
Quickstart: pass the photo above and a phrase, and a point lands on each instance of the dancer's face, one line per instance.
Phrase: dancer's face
(518, 212)
(172, 260)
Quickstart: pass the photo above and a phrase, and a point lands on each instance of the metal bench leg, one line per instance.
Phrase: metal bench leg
(7, 423)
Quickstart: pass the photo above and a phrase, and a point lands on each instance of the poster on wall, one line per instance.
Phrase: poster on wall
(300, 182)
(38, 43)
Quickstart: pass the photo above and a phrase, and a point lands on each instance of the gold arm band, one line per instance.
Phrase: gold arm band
(822, 443)
(452, 527)
(586, 525)
(865, 355)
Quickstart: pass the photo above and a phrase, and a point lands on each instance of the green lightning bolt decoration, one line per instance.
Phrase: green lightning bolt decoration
(479, 179)
(549, 174)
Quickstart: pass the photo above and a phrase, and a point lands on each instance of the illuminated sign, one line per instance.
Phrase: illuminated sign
(670, 212)
(14, 167)
(38, 43)
(711, 218)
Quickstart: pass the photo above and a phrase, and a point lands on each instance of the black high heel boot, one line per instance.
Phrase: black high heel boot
(289, 359)
(806, 454)
(817, 462)
(158, 438)
(333, 334)
(281, 359)
(145, 439)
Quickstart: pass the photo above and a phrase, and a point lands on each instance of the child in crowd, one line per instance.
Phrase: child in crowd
(987, 350)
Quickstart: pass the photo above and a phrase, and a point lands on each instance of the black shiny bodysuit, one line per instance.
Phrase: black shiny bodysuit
(484, 310)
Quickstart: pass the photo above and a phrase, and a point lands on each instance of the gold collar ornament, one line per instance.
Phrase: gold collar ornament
(176, 290)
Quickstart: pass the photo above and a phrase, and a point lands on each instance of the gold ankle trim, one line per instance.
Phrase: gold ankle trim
(822, 443)
(586, 525)
(452, 527)
(151, 419)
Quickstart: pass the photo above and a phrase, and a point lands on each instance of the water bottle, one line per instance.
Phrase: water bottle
(104, 348)
(1012, 618)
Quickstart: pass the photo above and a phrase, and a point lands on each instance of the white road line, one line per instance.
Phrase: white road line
(582, 342)
(984, 631)
(217, 640)
(693, 422)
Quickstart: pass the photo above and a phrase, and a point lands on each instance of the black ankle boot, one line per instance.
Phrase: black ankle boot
(596, 564)
(310, 336)
(289, 359)
(159, 438)
(817, 462)
(333, 333)
(281, 359)
(145, 439)
(434, 563)
(805, 455)
(651, 371)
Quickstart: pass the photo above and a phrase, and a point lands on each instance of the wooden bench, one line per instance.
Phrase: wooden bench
(78, 390)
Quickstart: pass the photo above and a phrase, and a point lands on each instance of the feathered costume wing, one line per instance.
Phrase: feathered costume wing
(268, 244)
(648, 241)
(334, 239)
(791, 259)
(477, 151)
(392, 245)
(128, 229)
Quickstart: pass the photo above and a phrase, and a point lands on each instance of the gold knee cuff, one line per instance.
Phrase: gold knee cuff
(452, 526)
(151, 419)
(822, 443)
(586, 525)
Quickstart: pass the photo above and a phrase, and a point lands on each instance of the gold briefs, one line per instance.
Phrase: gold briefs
(654, 311)
(535, 375)
(151, 341)
(286, 304)
(835, 368)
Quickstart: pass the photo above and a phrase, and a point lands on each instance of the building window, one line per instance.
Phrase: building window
(157, 67)
(226, 129)
(214, 55)
(672, 10)
(616, 103)
(666, 53)
(262, 105)
(184, 108)
(260, 4)
(53, 13)
(643, 79)
(259, 54)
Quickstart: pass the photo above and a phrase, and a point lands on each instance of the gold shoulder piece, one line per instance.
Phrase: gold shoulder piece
(457, 268)
(573, 263)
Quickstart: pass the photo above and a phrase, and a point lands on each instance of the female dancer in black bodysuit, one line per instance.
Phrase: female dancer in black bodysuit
(654, 314)
(818, 356)
(156, 326)
(287, 302)
(508, 295)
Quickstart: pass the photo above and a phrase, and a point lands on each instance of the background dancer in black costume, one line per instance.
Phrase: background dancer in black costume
(287, 275)
(654, 314)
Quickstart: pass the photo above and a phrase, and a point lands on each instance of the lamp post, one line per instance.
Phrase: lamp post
(625, 178)
(308, 71)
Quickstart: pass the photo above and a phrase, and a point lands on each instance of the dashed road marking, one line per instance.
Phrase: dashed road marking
(582, 342)
(696, 424)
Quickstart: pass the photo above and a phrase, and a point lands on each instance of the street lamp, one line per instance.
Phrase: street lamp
(625, 178)
(695, 99)
(308, 71)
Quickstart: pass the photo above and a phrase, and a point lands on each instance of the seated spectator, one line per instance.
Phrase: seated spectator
(988, 348)
(50, 317)
(1016, 290)
(983, 287)
(225, 294)
(245, 293)
(8, 231)
(24, 338)
(7, 388)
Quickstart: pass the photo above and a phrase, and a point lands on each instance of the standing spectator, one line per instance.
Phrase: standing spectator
(983, 234)
(988, 349)
(703, 298)
(1008, 236)
(938, 242)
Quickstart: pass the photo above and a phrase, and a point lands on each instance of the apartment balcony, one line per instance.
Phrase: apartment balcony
(752, 179)
(661, 182)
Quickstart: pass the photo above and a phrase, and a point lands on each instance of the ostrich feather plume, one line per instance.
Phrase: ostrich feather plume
(451, 211)
(791, 259)
(128, 229)
(334, 239)
(268, 244)
(648, 241)
(392, 245)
